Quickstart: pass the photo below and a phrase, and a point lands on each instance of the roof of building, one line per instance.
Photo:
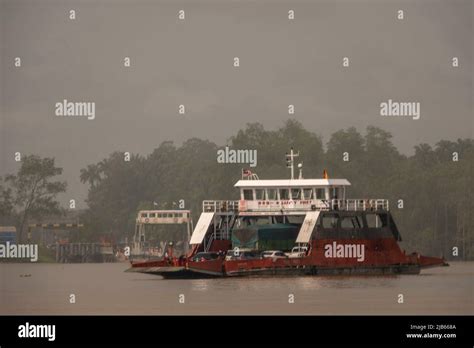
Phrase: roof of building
(7, 229)
(292, 183)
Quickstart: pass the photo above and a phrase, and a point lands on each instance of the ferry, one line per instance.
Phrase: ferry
(294, 226)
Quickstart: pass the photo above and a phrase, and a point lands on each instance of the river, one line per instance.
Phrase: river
(106, 289)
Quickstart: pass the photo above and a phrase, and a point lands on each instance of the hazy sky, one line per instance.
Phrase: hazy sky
(190, 62)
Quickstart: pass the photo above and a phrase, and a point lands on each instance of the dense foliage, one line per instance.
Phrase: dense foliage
(31, 193)
(436, 189)
(435, 183)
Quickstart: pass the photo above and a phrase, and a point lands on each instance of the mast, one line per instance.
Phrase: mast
(290, 162)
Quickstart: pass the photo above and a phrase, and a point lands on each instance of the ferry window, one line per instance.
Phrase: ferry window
(248, 195)
(374, 221)
(320, 194)
(261, 221)
(292, 219)
(242, 222)
(329, 221)
(144, 215)
(272, 194)
(335, 193)
(351, 222)
(284, 194)
(308, 193)
(260, 194)
(152, 215)
(278, 219)
(296, 193)
(159, 215)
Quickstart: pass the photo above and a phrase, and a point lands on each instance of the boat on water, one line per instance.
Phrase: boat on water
(295, 226)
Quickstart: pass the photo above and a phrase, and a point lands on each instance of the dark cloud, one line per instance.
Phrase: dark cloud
(190, 62)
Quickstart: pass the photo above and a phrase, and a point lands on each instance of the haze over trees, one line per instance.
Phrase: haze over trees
(31, 193)
(430, 192)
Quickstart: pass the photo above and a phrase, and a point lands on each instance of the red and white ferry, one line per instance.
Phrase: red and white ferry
(288, 227)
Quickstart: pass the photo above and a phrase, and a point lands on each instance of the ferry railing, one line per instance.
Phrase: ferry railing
(318, 204)
(212, 236)
(359, 204)
(208, 243)
(220, 206)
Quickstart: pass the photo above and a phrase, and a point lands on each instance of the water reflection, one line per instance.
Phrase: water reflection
(107, 289)
(292, 283)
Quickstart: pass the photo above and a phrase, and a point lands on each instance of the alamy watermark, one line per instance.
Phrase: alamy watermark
(37, 331)
(67, 108)
(228, 155)
(19, 251)
(405, 109)
(335, 250)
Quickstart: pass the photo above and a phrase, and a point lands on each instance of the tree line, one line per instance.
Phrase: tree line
(430, 192)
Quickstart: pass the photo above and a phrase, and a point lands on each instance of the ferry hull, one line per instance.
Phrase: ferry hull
(327, 271)
(195, 273)
(376, 254)
(296, 267)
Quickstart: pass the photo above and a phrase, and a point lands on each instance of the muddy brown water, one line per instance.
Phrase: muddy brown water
(107, 289)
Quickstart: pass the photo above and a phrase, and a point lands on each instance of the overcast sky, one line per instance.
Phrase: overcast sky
(190, 62)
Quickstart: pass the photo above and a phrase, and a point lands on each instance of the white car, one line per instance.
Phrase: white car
(298, 251)
(274, 254)
(241, 254)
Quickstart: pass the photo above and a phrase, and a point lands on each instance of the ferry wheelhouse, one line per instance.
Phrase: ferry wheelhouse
(292, 227)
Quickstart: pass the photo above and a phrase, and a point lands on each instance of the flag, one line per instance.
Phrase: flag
(246, 172)
(325, 174)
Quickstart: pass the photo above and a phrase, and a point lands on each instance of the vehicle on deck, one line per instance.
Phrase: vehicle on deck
(274, 254)
(297, 251)
(323, 232)
(242, 254)
(205, 256)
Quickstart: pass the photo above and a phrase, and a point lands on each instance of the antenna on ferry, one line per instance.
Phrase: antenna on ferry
(290, 162)
(300, 167)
